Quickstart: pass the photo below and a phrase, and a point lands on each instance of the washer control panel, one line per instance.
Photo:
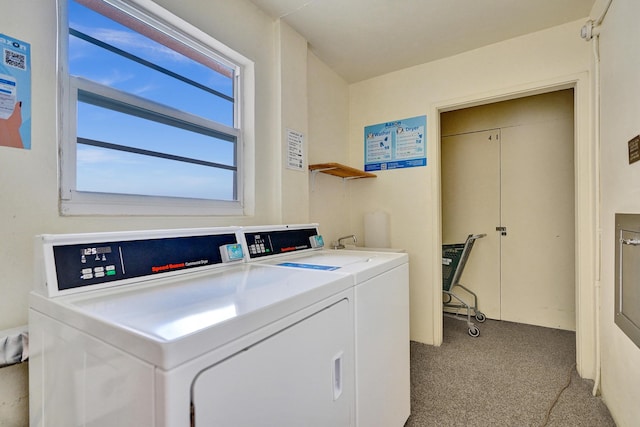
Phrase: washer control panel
(273, 242)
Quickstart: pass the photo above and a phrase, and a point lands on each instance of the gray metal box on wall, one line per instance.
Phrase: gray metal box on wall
(627, 284)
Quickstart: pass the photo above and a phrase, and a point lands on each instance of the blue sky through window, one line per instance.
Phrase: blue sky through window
(105, 170)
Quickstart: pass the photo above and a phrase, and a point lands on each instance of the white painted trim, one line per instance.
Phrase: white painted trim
(585, 203)
(73, 202)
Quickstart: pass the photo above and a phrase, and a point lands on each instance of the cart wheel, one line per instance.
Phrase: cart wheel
(446, 299)
(480, 317)
(474, 331)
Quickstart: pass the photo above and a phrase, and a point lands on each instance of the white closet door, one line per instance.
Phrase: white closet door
(538, 275)
(471, 205)
(524, 183)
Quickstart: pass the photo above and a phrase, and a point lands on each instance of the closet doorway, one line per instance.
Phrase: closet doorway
(508, 171)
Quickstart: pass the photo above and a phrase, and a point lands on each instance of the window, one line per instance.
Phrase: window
(150, 114)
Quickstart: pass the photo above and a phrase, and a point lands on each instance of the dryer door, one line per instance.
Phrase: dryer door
(301, 376)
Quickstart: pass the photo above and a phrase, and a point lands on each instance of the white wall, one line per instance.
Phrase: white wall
(411, 196)
(328, 142)
(292, 63)
(29, 178)
(620, 113)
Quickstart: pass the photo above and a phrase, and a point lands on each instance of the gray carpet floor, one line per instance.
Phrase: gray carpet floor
(512, 375)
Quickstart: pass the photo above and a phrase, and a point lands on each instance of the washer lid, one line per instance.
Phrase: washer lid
(362, 265)
(168, 321)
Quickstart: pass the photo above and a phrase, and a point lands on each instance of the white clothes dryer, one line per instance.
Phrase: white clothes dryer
(154, 329)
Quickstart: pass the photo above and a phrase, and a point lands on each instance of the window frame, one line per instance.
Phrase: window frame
(74, 202)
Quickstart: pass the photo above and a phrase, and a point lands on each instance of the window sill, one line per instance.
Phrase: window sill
(82, 204)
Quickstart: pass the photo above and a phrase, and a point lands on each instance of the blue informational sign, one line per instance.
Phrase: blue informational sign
(15, 93)
(395, 145)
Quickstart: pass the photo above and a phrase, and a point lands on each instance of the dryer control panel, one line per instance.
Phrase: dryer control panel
(79, 265)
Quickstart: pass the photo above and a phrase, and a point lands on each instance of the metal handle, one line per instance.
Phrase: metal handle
(337, 376)
(632, 242)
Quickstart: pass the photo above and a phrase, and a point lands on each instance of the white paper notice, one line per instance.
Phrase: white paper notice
(295, 152)
(379, 146)
(8, 90)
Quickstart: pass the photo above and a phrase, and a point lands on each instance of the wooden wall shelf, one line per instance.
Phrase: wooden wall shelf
(339, 170)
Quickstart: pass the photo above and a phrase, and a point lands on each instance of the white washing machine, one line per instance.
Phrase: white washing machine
(381, 285)
(173, 328)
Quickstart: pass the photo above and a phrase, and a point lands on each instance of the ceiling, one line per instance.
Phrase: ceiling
(360, 39)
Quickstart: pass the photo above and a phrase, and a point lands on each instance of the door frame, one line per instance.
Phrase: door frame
(586, 181)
